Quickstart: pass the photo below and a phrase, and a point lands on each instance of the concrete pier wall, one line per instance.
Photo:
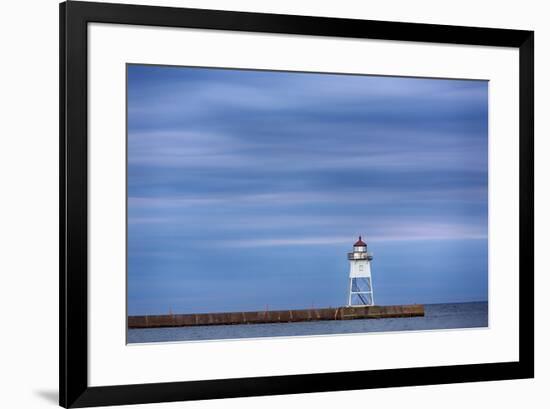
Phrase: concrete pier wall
(263, 317)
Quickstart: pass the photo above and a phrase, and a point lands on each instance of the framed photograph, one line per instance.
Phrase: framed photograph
(257, 204)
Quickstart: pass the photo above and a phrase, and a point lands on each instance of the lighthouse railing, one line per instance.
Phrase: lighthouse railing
(360, 256)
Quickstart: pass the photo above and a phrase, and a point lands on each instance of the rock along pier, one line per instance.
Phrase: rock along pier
(268, 317)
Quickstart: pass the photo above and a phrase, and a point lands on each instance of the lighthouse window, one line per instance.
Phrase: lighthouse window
(361, 267)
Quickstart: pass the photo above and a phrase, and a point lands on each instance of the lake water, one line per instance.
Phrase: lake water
(437, 316)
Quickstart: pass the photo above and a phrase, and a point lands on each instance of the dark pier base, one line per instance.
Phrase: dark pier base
(264, 317)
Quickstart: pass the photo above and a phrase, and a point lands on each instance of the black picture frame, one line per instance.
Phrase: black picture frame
(73, 212)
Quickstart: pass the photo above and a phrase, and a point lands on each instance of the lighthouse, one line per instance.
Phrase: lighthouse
(360, 279)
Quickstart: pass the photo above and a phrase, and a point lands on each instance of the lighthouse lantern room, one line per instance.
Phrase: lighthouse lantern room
(360, 279)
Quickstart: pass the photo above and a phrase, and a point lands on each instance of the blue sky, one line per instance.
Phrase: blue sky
(247, 188)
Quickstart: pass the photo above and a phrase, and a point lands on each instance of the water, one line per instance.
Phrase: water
(437, 316)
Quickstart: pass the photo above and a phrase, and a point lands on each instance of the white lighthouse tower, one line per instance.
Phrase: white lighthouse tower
(360, 279)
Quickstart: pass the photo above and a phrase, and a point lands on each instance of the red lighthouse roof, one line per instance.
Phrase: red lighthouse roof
(359, 243)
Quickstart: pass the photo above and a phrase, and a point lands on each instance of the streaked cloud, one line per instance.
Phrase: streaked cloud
(245, 177)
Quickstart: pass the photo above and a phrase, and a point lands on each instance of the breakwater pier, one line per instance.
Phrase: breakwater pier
(282, 316)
